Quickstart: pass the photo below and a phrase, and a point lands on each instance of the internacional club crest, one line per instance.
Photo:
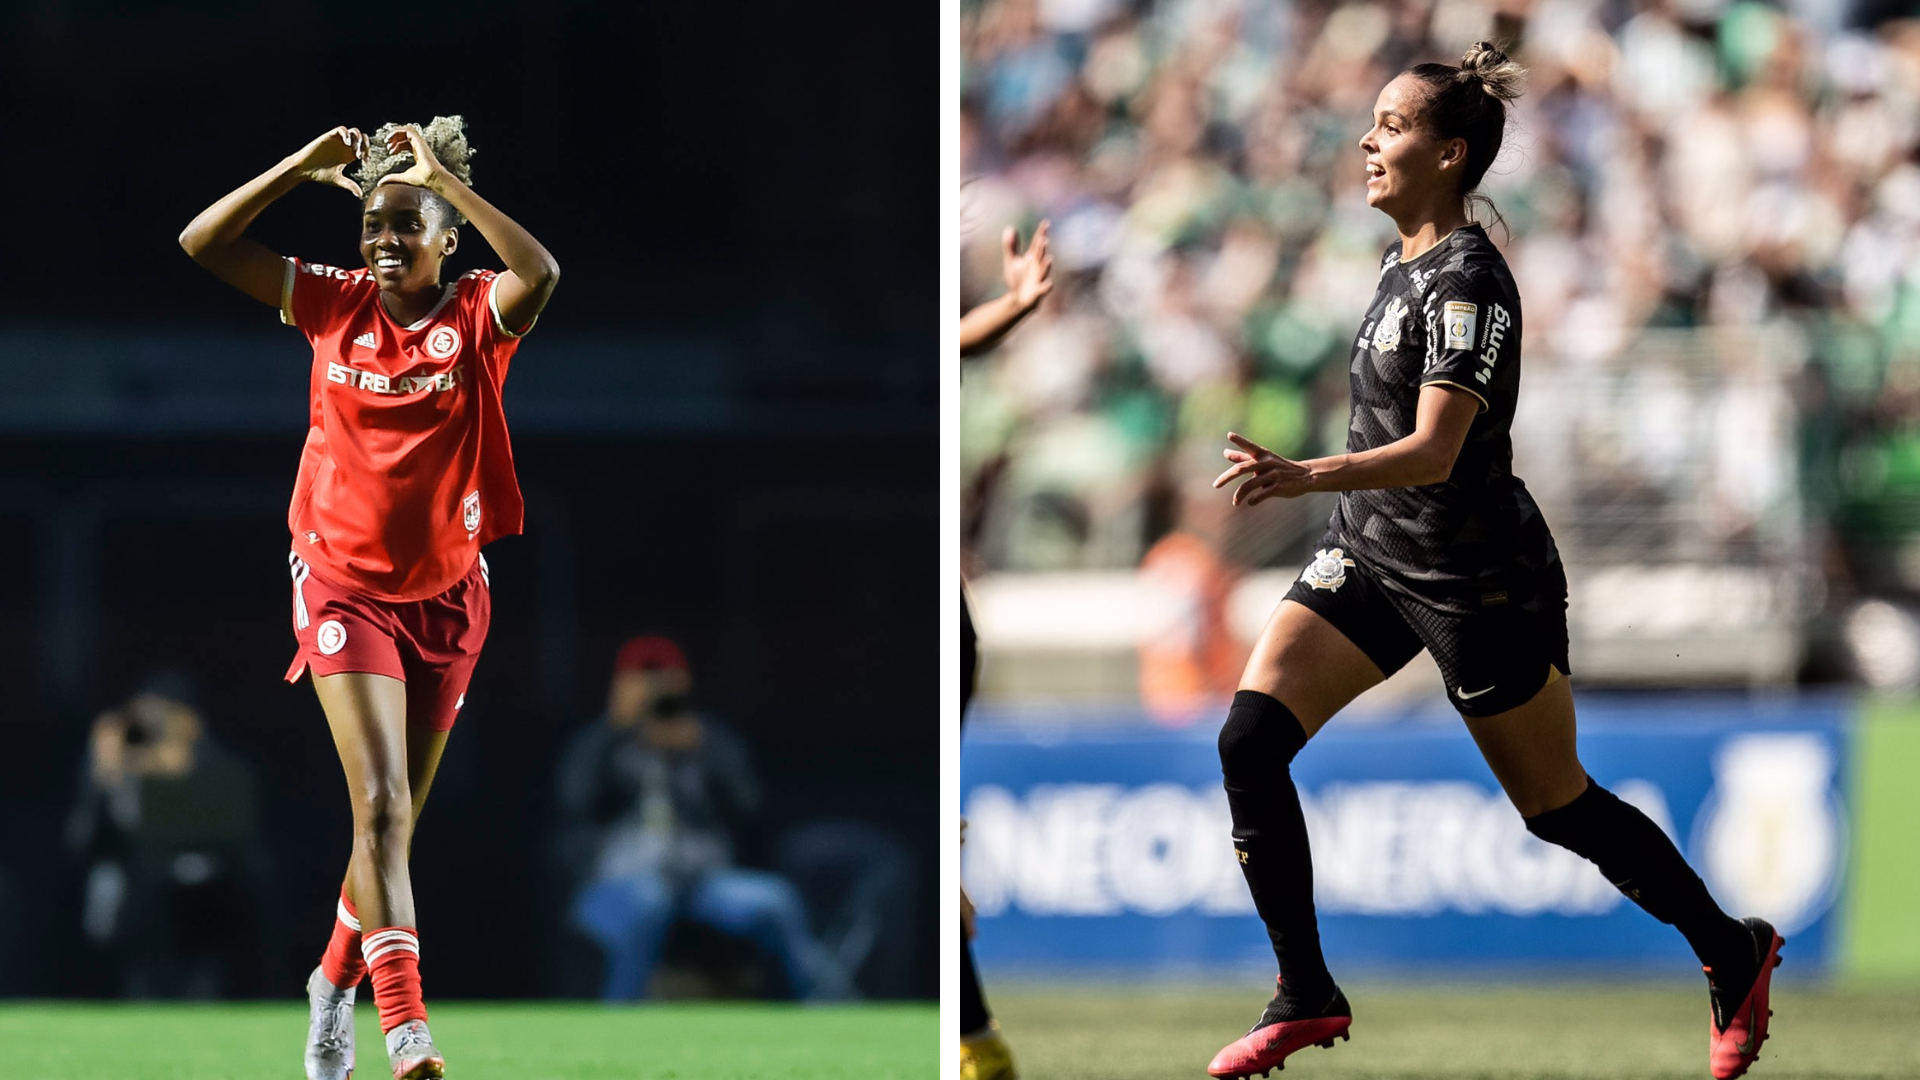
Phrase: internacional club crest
(443, 342)
(1328, 570)
(331, 637)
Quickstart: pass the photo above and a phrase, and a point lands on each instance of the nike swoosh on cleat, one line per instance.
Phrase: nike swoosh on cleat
(1461, 692)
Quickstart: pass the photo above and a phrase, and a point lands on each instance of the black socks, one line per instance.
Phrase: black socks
(1645, 866)
(1257, 744)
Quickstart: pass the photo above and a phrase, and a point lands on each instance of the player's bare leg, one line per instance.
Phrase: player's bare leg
(1531, 750)
(330, 1043)
(367, 715)
(1300, 659)
(1301, 673)
(424, 750)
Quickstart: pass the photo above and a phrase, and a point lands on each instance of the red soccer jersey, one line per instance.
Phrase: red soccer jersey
(407, 470)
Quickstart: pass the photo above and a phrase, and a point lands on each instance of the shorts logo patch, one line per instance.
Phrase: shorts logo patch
(1387, 335)
(330, 637)
(443, 342)
(1328, 570)
(1461, 320)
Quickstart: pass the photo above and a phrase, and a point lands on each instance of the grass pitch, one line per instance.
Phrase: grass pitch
(482, 1041)
(1606, 1031)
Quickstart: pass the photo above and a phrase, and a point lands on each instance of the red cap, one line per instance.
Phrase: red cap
(650, 653)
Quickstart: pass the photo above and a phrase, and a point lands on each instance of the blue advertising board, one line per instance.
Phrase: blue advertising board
(1109, 845)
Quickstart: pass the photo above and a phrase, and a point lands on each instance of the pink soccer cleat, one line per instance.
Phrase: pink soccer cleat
(1288, 1024)
(1734, 1035)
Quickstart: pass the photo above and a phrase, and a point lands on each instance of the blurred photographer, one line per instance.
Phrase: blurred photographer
(165, 826)
(652, 796)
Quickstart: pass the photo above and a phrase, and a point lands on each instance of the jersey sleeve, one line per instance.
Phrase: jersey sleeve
(1470, 329)
(310, 296)
(488, 319)
(480, 320)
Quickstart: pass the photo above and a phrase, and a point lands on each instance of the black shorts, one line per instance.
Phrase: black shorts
(1492, 658)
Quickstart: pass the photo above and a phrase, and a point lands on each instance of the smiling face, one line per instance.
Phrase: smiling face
(1407, 166)
(404, 239)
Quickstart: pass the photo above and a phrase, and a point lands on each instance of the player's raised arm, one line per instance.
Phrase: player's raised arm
(214, 237)
(519, 294)
(1029, 279)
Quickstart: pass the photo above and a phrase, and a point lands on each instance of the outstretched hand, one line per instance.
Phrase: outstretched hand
(1028, 274)
(425, 169)
(1269, 475)
(325, 159)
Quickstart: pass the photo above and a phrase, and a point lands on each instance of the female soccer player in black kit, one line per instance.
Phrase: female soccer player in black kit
(1437, 544)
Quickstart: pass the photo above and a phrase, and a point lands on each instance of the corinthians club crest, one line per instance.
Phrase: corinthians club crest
(1328, 570)
(1387, 335)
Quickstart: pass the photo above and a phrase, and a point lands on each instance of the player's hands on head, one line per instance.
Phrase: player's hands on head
(1028, 274)
(1269, 476)
(325, 159)
(425, 169)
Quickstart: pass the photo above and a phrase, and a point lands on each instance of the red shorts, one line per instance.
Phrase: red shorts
(431, 645)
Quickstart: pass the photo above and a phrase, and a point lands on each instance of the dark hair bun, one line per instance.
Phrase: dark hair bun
(1496, 72)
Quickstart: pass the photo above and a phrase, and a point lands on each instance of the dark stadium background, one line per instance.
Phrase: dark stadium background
(725, 425)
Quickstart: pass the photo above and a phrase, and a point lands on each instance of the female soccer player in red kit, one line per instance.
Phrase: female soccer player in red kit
(406, 473)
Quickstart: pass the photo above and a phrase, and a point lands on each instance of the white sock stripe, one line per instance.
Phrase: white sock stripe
(345, 916)
(392, 947)
(300, 572)
(382, 936)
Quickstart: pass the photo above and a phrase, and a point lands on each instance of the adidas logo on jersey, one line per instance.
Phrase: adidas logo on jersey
(366, 340)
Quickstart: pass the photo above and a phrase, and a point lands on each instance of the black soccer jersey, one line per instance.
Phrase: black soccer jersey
(1451, 316)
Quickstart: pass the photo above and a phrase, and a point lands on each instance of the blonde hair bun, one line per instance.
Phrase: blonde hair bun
(1497, 73)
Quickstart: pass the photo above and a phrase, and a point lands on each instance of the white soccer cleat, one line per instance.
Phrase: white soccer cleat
(410, 1051)
(329, 1029)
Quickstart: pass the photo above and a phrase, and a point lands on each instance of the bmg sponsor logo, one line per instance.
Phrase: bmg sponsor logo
(1496, 336)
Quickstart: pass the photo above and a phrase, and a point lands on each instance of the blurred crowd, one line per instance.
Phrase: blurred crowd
(1712, 210)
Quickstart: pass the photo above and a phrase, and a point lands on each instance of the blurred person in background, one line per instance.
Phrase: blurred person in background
(984, 1054)
(1029, 279)
(165, 825)
(1436, 545)
(653, 797)
(407, 472)
(1190, 658)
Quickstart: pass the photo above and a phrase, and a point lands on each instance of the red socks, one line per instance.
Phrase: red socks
(341, 963)
(393, 955)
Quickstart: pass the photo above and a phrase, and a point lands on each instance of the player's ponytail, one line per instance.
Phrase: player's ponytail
(1470, 102)
(446, 136)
